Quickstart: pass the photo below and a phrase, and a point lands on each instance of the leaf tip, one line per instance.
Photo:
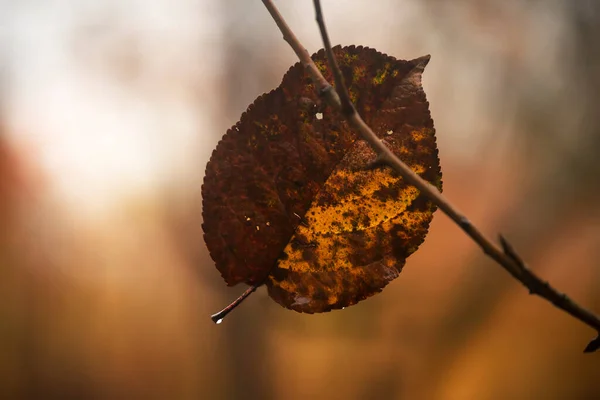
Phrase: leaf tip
(593, 345)
(422, 61)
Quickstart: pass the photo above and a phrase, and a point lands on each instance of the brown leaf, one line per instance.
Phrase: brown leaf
(293, 199)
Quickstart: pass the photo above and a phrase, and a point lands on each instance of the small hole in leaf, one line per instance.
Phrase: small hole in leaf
(319, 115)
(390, 132)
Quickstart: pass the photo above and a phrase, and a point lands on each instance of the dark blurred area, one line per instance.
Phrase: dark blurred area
(109, 112)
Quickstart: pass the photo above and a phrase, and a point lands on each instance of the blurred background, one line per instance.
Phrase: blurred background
(109, 112)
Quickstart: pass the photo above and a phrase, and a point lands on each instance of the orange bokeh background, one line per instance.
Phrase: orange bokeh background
(109, 112)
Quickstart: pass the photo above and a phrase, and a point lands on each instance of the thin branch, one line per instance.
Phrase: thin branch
(302, 54)
(503, 254)
(346, 104)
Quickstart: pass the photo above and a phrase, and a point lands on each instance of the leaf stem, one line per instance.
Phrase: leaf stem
(503, 254)
(218, 317)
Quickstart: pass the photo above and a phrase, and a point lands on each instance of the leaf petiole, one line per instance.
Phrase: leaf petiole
(218, 317)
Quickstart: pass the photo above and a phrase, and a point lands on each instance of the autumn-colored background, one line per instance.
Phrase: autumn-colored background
(108, 114)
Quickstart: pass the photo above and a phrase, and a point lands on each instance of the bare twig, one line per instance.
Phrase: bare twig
(347, 107)
(503, 254)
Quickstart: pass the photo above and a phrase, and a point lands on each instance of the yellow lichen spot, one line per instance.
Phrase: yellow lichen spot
(438, 182)
(350, 58)
(358, 73)
(418, 168)
(285, 285)
(353, 95)
(322, 66)
(419, 135)
(271, 203)
(381, 75)
(294, 260)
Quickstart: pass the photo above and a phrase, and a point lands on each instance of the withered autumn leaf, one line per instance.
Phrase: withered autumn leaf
(292, 198)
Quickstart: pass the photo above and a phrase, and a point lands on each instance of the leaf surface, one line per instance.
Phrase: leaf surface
(292, 198)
